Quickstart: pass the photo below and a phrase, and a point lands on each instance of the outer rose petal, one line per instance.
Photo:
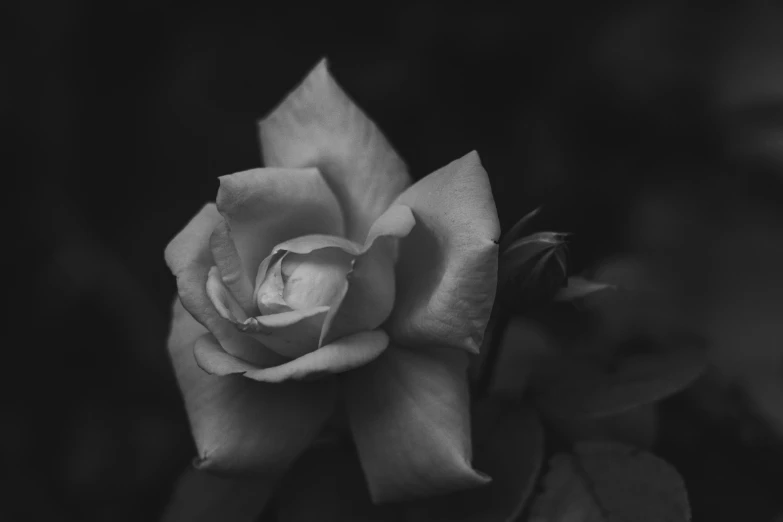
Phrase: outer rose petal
(264, 207)
(342, 355)
(410, 419)
(189, 258)
(317, 125)
(239, 424)
(447, 271)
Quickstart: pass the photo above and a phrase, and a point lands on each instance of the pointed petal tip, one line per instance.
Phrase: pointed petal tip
(471, 479)
(472, 156)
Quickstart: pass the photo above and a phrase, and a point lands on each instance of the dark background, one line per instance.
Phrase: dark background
(651, 129)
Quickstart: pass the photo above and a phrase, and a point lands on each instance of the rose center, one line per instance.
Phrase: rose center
(302, 281)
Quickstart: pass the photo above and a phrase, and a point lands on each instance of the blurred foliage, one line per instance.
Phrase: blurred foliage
(648, 130)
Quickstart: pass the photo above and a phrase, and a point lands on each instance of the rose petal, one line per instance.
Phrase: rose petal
(340, 356)
(313, 242)
(233, 274)
(369, 299)
(270, 286)
(242, 425)
(264, 207)
(200, 496)
(292, 334)
(447, 271)
(509, 443)
(223, 299)
(189, 258)
(410, 419)
(317, 125)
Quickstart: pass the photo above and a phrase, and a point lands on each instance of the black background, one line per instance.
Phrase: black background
(122, 115)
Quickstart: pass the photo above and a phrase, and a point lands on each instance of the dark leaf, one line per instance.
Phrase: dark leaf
(202, 497)
(532, 269)
(509, 447)
(637, 427)
(586, 389)
(579, 287)
(516, 231)
(523, 347)
(608, 482)
(327, 484)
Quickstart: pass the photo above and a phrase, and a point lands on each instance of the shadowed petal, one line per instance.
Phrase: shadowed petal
(200, 496)
(447, 270)
(317, 125)
(241, 425)
(189, 258)
(410, 419)
(264, 207)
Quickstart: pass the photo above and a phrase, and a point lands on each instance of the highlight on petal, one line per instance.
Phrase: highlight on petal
(264, 207)
(447, 270)
(240, 425)
(340, 356)
(190, 260)
(410, 419)
(318, 125)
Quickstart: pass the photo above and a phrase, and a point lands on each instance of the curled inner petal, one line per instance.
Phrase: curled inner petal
(291, 333)
(314, 279)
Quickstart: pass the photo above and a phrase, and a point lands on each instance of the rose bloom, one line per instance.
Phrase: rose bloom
(326, 280)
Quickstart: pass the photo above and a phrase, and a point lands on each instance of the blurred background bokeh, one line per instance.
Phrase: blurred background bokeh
(652, 131)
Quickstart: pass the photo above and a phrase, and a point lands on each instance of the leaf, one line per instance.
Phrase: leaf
(509, 447)
(203, 497)
(637, 427)
(584, 389)
(523, 346)
(579, 287)
(516, 231)
(532, 268)
(609, 482)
